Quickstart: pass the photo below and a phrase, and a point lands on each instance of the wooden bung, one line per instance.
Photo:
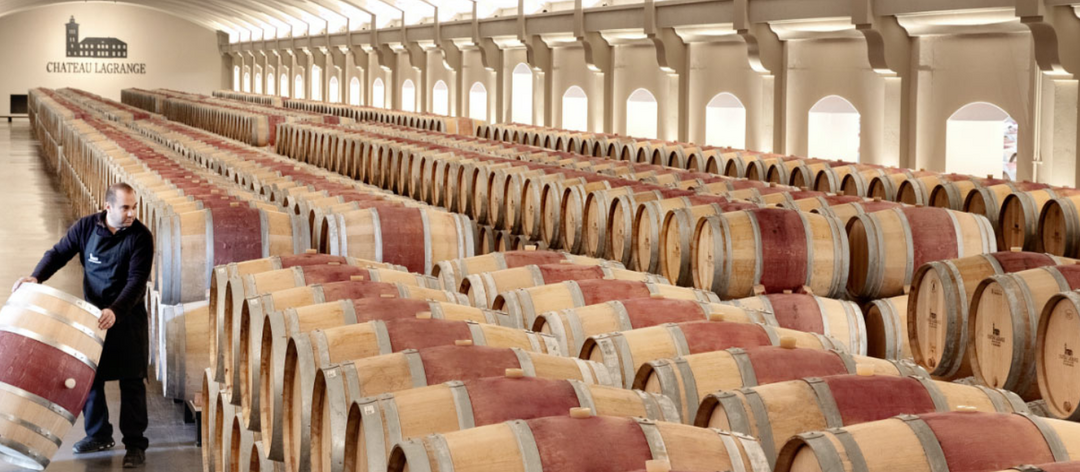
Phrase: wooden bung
(70, 383)
(566, 261)
(234, 204)
(907, 289)
(530, 247)
(1015, 249)
(515, 373)
(387, 295)
(864, 370)
(310, 251)
(759, 289)
(787, 291)
(581, 413)
(333, 263)
(807, 290)
(658, 296)
(787, 342)
(423, 315)
(357, 278)
(966, 409)
(463, 342)
(716, 317)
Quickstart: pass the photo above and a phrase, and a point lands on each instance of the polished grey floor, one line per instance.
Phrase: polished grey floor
(35, 214)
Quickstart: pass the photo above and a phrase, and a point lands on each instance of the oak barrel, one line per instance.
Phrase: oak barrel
(484, 287)
(887, 328)
(452, 272)
(1055, 358)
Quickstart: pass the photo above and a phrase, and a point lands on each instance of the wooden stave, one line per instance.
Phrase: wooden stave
(482, 288)
(886, 321)
(1062, 305)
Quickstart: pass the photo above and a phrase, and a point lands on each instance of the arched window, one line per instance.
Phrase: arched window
(440, 99)
(521, 91)
(641, 114)
(478, 109)
(408, 96)
(299, 87)
(284, 85)
(354, 91)
(725, 122)
(834, 130)
(316, 83)
(378, 94)
(270, 81)
(980, 139)
(247, 81)
(575, 109)
(333, 90)
(236, 78)
(258, 82)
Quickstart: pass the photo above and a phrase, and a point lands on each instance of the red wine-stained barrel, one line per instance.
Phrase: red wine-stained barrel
(222, 235)
(455, 406)
(775, 248)
(940, 301)
(952, 441)
(50, 343)
(483, 288)
(1071, 466)
(417, 238)
(451, 273)
(818, 403)
(686, 379)
(568, 444)
(888, 246)
(840, 319)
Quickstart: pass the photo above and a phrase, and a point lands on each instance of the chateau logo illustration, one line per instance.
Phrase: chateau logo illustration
(92, 47)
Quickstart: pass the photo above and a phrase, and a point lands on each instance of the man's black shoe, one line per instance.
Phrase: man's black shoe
(89, 444)
(134, 458)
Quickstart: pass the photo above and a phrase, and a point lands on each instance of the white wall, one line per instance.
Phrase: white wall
(178, 54)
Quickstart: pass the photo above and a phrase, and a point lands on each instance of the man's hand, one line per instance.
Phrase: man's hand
(21, 281)
(107, 320)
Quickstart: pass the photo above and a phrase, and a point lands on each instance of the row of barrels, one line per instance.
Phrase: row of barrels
(367, 449)
(422, 121)
(1029, 215)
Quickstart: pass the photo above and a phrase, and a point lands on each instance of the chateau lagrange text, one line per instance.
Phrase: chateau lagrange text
(95, 68)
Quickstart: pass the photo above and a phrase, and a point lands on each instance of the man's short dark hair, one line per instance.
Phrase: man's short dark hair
(110, 195)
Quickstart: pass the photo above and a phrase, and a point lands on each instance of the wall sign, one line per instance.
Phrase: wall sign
(96, 48)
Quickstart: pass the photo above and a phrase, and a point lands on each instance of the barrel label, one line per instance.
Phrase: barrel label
(1067, 358)
(995, 337)
(934, 323)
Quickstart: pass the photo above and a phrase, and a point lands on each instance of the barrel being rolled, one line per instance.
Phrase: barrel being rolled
(571, 443)
(50, 343)
(888, 246)
(1057, 365)
(774, 248)
(962, 440)
(455, 406)
(1004, 321)
(483, 288)
(623, 353)
(687, 379)
(526, 304)
(836, 401)
(941, 293)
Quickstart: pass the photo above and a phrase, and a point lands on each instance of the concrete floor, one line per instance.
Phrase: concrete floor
(35, 215)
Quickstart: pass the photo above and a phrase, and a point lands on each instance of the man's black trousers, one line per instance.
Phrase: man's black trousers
(133, 418)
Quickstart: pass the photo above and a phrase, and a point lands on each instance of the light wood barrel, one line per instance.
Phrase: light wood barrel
(451, 273)
(887, 186)
(483, 288)
(1003, 325)
(676, 234)
(831, 179)
(888, 246)
(269, 348)
(858, 183)
(453, 406)
(818, 403)
(1018, 222)
(264, 338)
(623, 353)
(416, 238)
(941, 293)
(1055, 358)
(183, 347)
(806, 174)
(1059, 227)
(812, 203)
(1071, 466)
(845, 212)
(220, 432)
(640, 248)
(778, 249)
(622, 219)
(239, 290)
(887, 328)
(208, 398)
(839, 319)
(219, 235)
(687, 379)
(563, 443)
(918, 191)
(987, 201)
(51, 344)
(953, 194)
(526, 304)
(592, 230)
(310, 351)
(962, 440)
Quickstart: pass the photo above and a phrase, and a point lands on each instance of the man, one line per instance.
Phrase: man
(116, 252)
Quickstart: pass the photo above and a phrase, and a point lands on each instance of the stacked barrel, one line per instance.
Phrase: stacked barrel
(698, 321)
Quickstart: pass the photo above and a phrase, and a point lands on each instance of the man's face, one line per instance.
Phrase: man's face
(121, 212)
